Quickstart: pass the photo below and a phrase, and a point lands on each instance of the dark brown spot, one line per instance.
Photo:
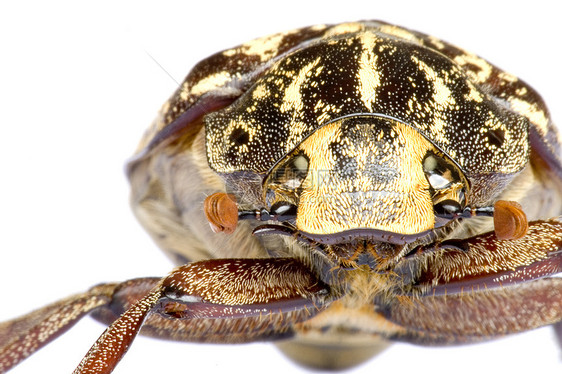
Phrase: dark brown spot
(496, 137)
(239, 137)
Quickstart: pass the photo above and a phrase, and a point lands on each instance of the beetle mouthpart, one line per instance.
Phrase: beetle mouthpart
(274, 230)
(221, 212)
(510, 222)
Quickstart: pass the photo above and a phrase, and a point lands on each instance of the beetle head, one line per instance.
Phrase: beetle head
(366, 174)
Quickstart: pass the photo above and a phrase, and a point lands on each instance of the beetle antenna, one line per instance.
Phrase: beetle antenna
(510, 221)
(221, 210)
(258, 214)
(484, 211)
(280, 211)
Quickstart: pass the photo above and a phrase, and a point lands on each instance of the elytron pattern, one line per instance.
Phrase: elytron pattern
(335, 188)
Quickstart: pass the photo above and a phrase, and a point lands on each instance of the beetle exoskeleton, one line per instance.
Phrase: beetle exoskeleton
(355, 169)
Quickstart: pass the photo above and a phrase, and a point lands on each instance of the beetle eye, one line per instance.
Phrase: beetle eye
(439, 172)
(438, 181)
(289, 174)
(283, 182)
(447, 185)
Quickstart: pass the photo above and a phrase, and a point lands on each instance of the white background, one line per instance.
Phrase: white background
(77, 89)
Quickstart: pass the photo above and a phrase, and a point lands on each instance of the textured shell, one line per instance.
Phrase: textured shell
(258, 101)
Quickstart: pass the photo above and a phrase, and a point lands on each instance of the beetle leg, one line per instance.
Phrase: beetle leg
(22, 336)
(485, 262)
(487, 289)
(227, 301)
(477, 315)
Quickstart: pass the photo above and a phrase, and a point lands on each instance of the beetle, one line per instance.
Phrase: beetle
(369, 148)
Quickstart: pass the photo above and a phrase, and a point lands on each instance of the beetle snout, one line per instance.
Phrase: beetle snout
(363, 172)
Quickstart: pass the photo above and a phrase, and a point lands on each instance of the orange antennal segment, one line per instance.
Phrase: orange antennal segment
(221, 212)
(510, 222)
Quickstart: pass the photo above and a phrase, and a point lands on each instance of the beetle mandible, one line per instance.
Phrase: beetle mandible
(335, 188)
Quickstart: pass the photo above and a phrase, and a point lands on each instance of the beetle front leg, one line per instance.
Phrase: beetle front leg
(21, 337)
(482, 287)
(485, 262)
(476, 316)
(232, 300)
